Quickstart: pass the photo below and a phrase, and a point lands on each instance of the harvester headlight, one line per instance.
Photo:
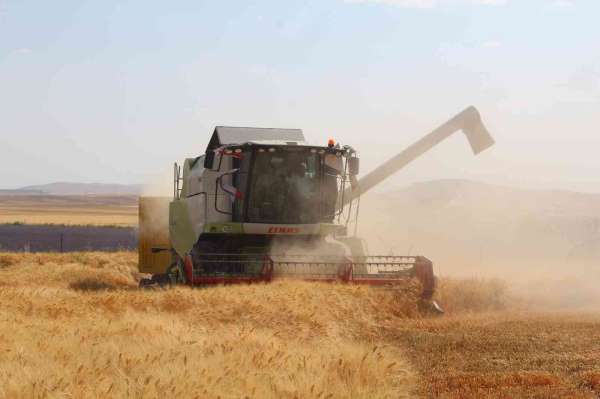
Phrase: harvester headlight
(228, 151)
(321, 152)
(313, 150)
(271, 149)
(238, 150)
(261, 150)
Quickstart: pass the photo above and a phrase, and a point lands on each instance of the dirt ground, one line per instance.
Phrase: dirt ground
(69, 210)
(75, 325)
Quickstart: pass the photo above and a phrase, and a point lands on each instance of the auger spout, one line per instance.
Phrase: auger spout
(469, 121)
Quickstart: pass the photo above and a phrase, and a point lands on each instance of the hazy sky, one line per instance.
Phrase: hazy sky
(115, 91)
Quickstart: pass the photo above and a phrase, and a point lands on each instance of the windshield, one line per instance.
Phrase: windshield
(284, 186)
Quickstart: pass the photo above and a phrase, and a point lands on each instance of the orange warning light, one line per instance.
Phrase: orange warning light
(330, 143)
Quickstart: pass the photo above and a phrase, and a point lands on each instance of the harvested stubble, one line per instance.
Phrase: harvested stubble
(115, 210)
(511, 354)
(489, 345)
(75, 326)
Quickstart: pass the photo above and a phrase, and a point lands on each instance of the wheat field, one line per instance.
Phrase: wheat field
(76, 326)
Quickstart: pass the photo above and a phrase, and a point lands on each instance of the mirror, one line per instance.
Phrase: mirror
(353, 166)
(209, 159)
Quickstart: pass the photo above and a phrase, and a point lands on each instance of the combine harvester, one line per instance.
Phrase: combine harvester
(262, 203)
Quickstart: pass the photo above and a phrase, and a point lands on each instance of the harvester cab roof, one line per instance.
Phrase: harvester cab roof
(228, 135)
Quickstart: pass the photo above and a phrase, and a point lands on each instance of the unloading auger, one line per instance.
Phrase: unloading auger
(262, 203)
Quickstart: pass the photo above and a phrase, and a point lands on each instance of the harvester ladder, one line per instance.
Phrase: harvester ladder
(177, 179)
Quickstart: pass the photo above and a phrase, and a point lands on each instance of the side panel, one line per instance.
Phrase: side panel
(196, 197)
(153, 233)
(181, 230)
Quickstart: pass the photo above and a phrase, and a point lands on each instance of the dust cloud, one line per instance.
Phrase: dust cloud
(159, 184)
(315, 259)
(544, 244)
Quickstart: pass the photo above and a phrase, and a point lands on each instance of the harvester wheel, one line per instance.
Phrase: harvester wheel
(146, 282)
(175, 273)
(159, 280)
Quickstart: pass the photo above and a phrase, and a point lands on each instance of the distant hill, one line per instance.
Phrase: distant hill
(64, 188)
(19, 192)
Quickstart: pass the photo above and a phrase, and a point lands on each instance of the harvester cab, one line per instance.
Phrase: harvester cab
(262, 203)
